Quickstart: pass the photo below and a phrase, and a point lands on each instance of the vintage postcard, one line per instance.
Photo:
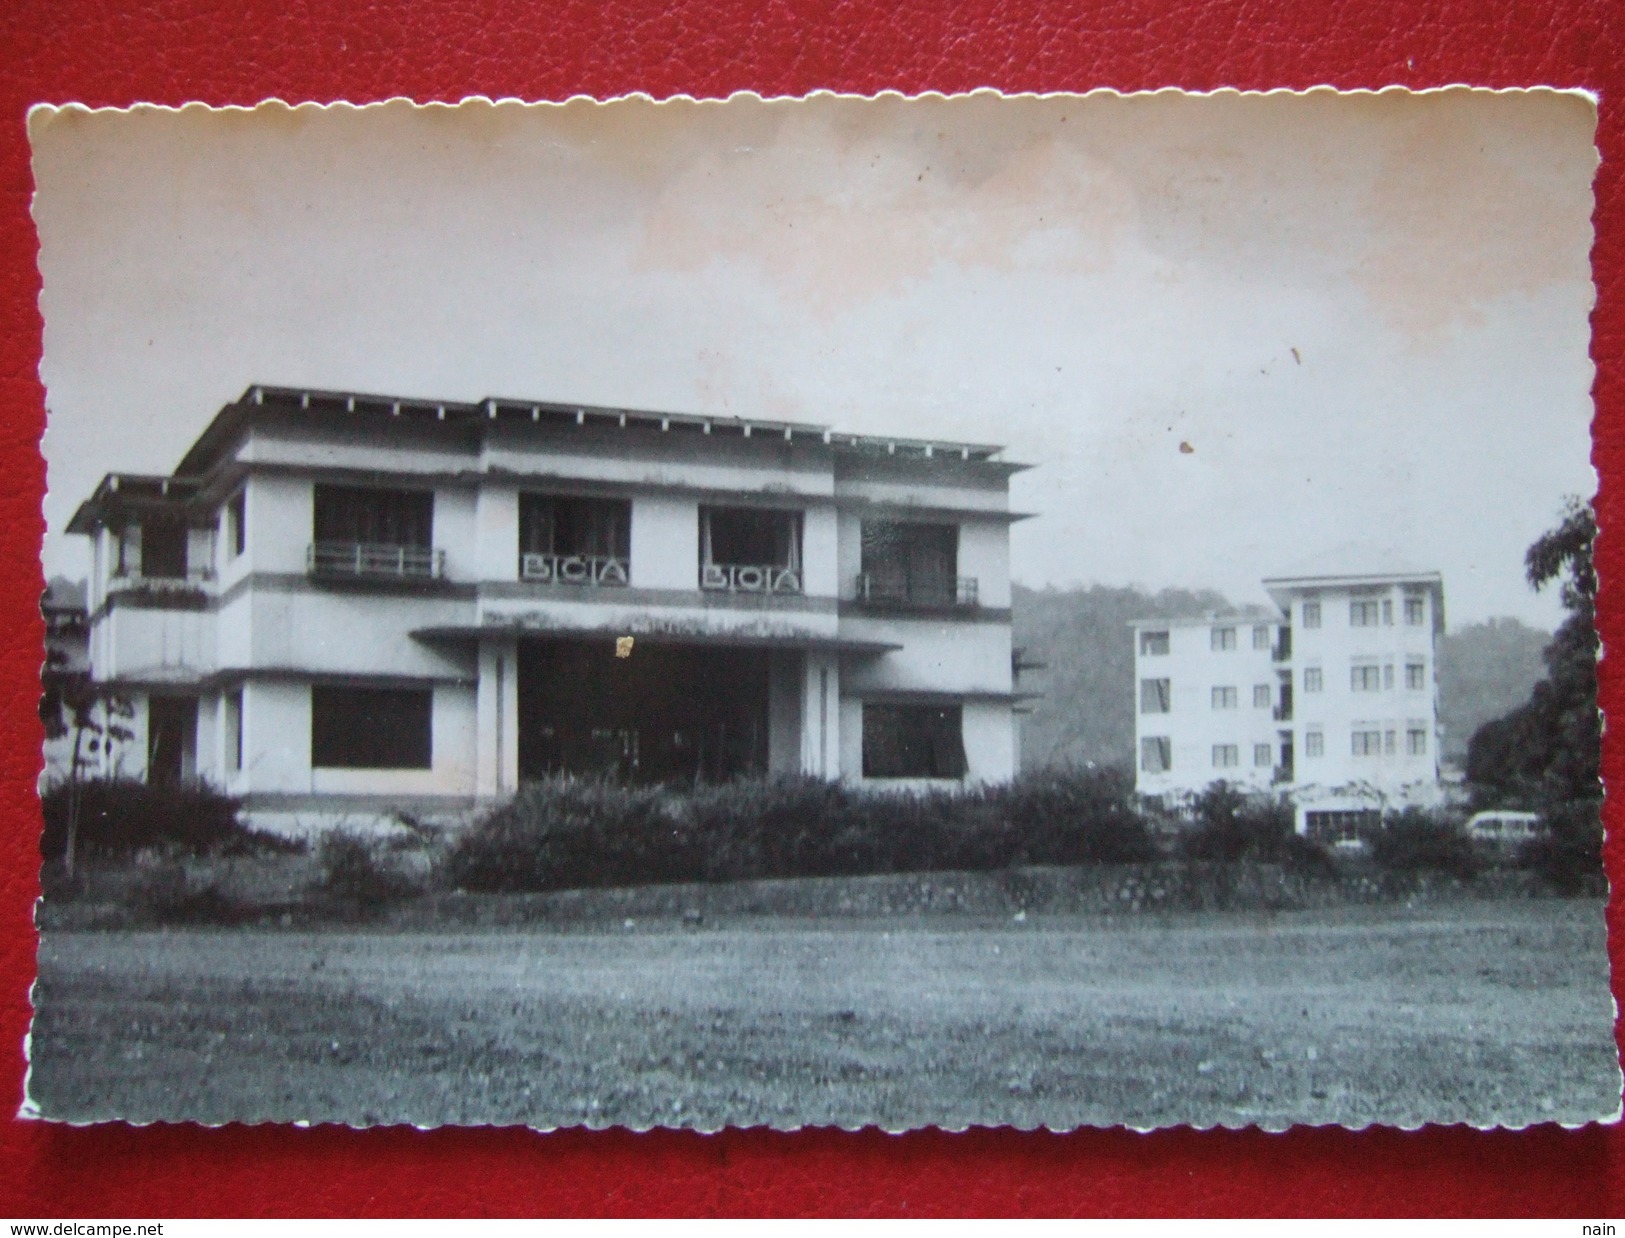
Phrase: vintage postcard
(1037, 611)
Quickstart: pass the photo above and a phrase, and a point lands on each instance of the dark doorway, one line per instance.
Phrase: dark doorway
(171, 740)
(667, 713)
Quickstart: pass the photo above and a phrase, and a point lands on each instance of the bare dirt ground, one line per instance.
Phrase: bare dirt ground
(1480, 1012)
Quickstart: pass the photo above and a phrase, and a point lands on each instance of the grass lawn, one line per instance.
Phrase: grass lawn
(1474, 1011)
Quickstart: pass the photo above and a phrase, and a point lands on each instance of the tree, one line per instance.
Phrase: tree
(98, 721)
(1548, 750)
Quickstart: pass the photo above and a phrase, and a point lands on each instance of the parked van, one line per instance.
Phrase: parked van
(1503, 830)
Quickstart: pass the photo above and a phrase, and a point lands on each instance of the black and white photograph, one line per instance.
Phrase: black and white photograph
(1037, 611)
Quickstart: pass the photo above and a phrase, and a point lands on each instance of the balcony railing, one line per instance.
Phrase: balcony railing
(874, 589)
(374, 561)
(196, 578)
(556, 569)
(184, 591)
(749, 578)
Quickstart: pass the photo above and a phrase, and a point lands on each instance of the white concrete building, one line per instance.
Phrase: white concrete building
(351, 604)
(1332, 700)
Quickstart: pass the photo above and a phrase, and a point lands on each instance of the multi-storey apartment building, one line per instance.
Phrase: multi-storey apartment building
(345, 603)
(1332, 700)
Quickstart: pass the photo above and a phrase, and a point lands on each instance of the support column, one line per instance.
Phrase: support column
(821, 716)
(497, 719)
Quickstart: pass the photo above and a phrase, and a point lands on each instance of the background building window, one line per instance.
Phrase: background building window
(1363, 614)
(1388, 676)
(1416, 675)
(1157, 754)
(1224, 638)
(1415, 611)
(1314, 744)
(1311, 614)
(1156, 696)
(371, 728)
(1388, 745)
(1367, 743)
(913, 741)
(1365, 678)
(1261, 696)
(1387, 613)
(1416, 742)
(1224, 698)
(1226, 756)
(1153, 644)
(1261, 636)
(1313, 680)
(1263, 756)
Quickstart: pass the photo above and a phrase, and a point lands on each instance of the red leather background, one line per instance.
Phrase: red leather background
(239, 51)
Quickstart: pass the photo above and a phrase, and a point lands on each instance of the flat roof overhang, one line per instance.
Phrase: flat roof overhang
(720, 640)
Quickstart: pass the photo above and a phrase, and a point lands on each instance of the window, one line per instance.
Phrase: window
(1367, 743)
(1224, 638)
(232, 704)
(370, 728)
(1313, 680)
(750, 550)
(1387, 613)
(1224, 698)
(1388, 747)
(1155, 696)
(913, 741)
(1388, 676)
(236, 520)
(1416, 676)
(1261, 696)
(360, 515)
(912, 564)
(1153, 644)
(1314, 744)
(163, 548)
(1311, 614)
(1366, 678)
(1226, 756)
(1261, 636)
(1362, 614)
(1263, 756)
(574, 541)
(1416, 742)
(1157, 754)
(1415, 611)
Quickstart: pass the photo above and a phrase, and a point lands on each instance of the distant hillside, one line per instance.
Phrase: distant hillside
(1082, 635)
(1485, 670)
(1087, 710)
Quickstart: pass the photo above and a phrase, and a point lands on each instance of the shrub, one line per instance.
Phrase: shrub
(357, 873)
(118, 817)
(166, 895)
(1417, 840)
(1569, 854)
(1233, 826)
(571, 833)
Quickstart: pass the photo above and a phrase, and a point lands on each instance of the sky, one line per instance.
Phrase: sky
(1239, 336)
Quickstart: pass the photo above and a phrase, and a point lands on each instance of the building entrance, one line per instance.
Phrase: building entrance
(666, 713)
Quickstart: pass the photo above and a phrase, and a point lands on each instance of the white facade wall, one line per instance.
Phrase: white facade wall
(269, 630)
(1213, 705)
(1393, 710)
(1363, 729)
